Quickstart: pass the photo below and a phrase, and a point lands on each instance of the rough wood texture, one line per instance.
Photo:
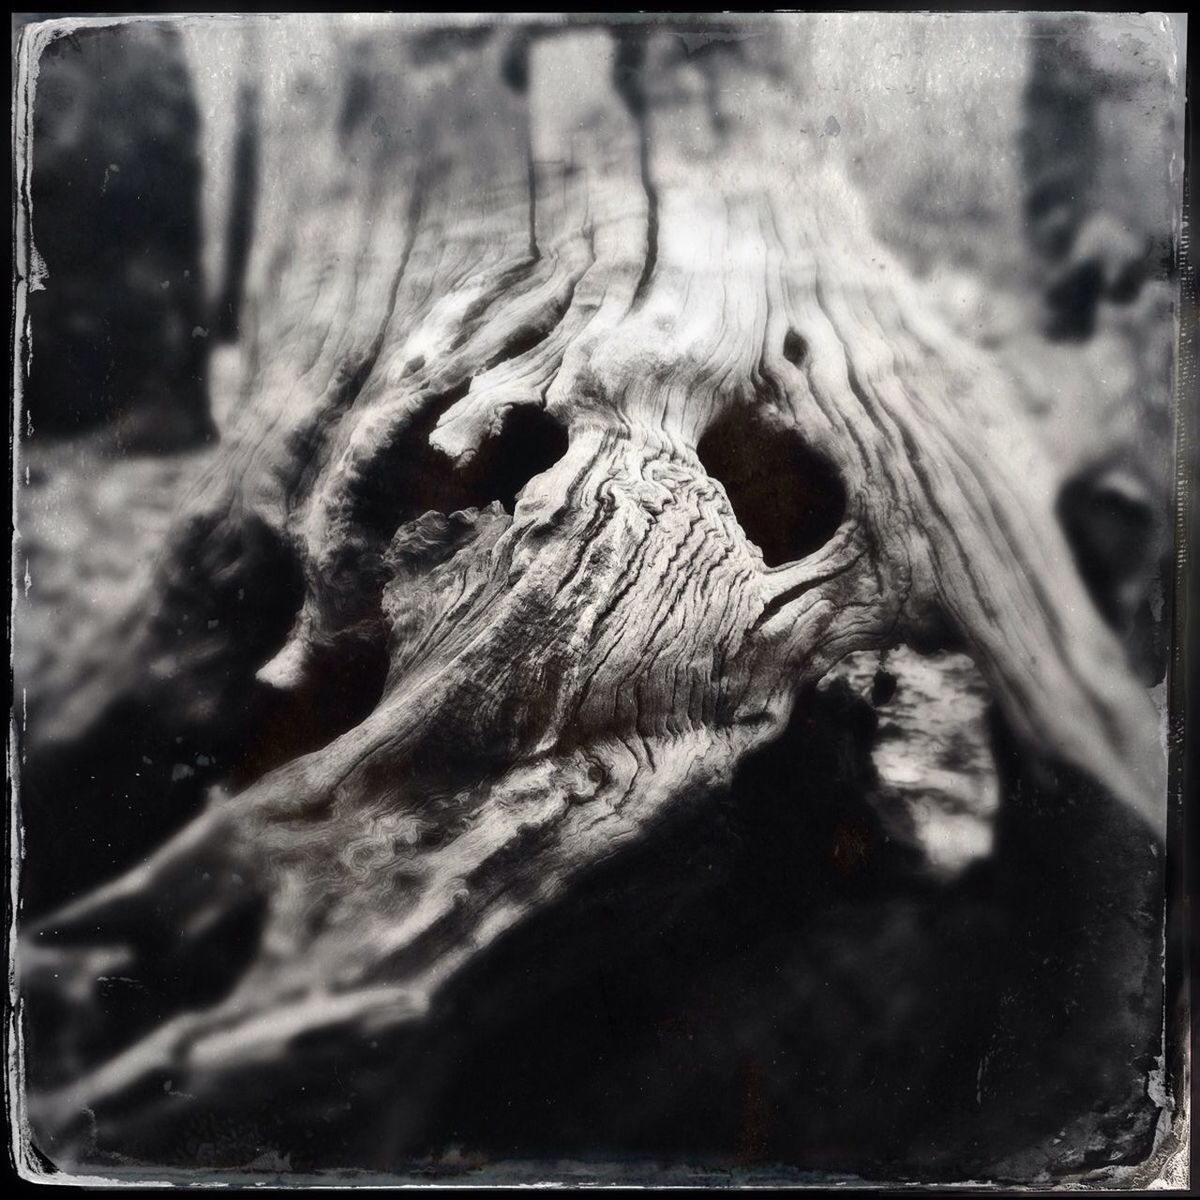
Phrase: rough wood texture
(451, 307)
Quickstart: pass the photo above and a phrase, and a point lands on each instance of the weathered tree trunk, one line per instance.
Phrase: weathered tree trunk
(583, 427)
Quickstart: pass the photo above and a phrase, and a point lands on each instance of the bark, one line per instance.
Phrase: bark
(526, 316)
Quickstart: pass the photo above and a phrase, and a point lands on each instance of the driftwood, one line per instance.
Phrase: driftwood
(582, 434)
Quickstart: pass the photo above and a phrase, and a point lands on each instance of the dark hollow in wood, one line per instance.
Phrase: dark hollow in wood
(788, 499)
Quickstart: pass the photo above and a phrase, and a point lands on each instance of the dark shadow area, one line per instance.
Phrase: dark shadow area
(118, 324)
(771, 982)
(1124, 556)
(788, 499)
(162, 974)
(1080, 883)
(1112, 272)
(1072, 299)
(239, 221)
(347, 682)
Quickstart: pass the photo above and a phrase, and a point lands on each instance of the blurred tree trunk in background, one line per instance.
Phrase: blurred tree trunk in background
(119, 320)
